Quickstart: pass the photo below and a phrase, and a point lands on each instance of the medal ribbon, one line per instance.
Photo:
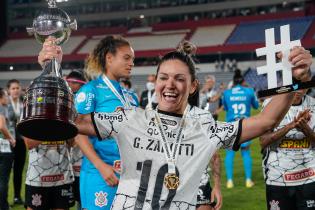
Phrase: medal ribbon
(171, 155)
(123, 100)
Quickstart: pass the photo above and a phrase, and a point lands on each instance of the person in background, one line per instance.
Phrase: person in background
(152, 179)
(210, 97)
(148, 96)
(49, 176)
(289, 158)
(112, 59)
(237, 103)
(126, 83)
(15, 109)
(7, 141)
(76, 80)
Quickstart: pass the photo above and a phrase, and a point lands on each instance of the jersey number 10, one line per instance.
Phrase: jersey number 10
(144, 182)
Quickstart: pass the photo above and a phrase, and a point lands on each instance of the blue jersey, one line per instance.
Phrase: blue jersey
(96, 96)
(238, 101)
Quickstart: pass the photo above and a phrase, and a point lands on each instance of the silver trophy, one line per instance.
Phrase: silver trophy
(48, 108)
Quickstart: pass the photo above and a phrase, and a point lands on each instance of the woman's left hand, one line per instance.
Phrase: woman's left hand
(301, 59)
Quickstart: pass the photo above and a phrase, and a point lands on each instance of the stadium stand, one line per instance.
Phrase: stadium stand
(29, 47)
(254, 32)
(211, 36)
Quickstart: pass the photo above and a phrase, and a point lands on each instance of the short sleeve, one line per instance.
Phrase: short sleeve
(225, 134)
(85, 99)
(109, 124)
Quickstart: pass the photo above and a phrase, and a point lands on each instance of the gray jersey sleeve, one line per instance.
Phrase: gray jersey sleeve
(109, 124)
(226, 134)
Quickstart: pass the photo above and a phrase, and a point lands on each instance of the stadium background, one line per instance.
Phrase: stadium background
(226, 32)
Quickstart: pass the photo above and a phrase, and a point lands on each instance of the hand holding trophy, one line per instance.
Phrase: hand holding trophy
(48, 107)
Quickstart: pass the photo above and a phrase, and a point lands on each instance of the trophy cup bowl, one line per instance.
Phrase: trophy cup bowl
(48, 107)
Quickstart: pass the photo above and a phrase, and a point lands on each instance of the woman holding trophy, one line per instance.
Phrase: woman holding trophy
(183, 137)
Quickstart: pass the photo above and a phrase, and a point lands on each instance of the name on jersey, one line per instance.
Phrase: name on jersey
(238, 98)
(295, 144)
(156, 146)
(299, 175)
(52, 178)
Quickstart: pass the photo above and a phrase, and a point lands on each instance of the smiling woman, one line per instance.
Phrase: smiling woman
(168, 177)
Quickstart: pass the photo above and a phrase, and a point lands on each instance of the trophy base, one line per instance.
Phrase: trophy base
(47, 129)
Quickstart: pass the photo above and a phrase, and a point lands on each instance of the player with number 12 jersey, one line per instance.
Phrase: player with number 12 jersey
(238, 102)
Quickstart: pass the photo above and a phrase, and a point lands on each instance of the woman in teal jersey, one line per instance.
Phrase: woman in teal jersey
(111, 59)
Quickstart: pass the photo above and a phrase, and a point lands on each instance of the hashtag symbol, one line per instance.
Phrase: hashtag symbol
(270, 51)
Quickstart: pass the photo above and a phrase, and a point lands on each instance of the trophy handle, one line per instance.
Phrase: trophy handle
(52, 66)
(74, 25)
(30, 30)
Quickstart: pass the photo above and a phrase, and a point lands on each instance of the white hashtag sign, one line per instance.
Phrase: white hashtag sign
(270, 51)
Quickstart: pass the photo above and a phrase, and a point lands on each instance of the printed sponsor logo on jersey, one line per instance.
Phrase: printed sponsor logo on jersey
(36, 200)
(274, 205)
(89, 99)
(222, 128)
(299, 175)
(169, 122)
(112, 117)
(81, 97)
(53, 142)
(117, 166)
(100, 199)
(52, 178)
(295, 144)
(66, 192)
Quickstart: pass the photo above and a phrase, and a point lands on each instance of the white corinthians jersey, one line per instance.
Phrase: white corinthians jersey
(291, 161)
(49, 165)
(143, 160)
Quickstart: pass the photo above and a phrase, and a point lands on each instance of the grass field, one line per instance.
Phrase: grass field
(238, 198)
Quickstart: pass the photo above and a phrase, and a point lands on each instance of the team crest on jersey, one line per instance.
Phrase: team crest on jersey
(37, 200)
(117, 166)
(101, 199)
(274, 205)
